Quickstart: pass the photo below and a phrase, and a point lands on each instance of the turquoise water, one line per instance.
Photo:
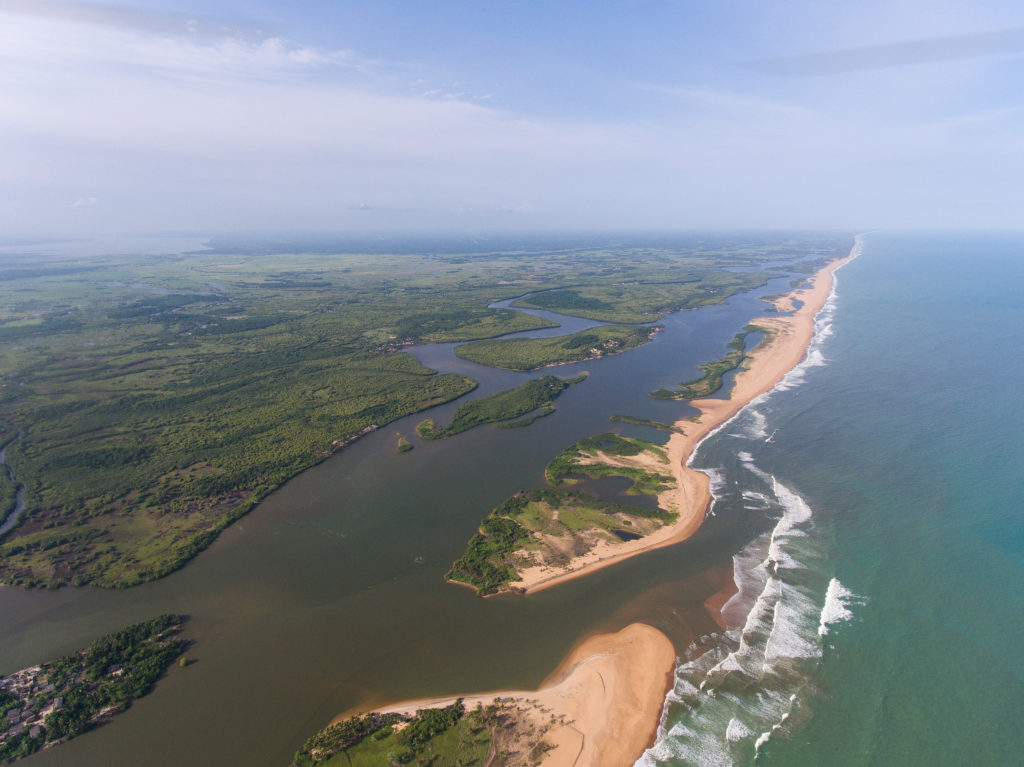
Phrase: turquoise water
(881, 612)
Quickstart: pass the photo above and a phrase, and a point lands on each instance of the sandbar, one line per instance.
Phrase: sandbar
(599, 708)
(766, 365)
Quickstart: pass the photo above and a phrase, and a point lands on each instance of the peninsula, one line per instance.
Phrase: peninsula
(522, 552)
(599, 707)
(783, 347)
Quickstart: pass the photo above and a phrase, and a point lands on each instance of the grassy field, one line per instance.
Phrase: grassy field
(147, 402)
(595, 458)
(502, 406)
(533, 353)
(547, 526)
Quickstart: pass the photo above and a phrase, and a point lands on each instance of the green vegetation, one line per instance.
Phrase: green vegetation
(645, 301)
(519, 533)
(533, 353)
(524, 422)
(550, 527)
(646, 422)
(53, 702)
(713, 372)
(808, 266)
(500, 406)
(147, 403)
(590, 457)
(404, 445)
(489, 561)
(443, 737)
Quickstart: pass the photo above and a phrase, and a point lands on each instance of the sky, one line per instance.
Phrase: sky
(229, 116)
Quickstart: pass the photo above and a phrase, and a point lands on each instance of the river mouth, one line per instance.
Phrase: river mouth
(331, 593)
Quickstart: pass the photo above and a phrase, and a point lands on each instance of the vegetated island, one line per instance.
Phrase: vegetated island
(660, 426)
(492, 558)
(403, 445)
(714, 372)
(537, 393)
(527, 354)
(47, 704)
(599, 708)
(544, 530)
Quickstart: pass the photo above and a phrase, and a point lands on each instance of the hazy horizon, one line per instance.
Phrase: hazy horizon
(228, 117)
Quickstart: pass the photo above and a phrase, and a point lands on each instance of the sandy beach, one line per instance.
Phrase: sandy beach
(600, 707)
(766, 365)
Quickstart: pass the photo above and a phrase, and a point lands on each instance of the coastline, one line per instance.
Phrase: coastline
(766, 365)
(600, 706)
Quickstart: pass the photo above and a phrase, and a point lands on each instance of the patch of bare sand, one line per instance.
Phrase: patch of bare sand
(600, 707)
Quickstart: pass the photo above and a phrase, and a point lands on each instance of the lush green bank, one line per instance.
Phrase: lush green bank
(551, 527)
(55, 701)
(502, 406)
(443, 737)
(713, 372)
(532, 353)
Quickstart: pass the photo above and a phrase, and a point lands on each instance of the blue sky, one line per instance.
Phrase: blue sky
(246, 115)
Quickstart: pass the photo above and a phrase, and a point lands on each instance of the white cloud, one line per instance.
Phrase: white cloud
(172, 132)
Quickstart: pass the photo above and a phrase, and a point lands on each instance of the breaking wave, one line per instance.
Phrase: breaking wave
(736, 690)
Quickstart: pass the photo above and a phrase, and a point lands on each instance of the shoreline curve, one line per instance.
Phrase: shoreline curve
(599, 708)
(766, 365)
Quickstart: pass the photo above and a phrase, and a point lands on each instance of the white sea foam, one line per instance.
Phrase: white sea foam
(838, 600)
(717, 480)
(749, 679)
(755, 424)
(749, 682)
(737, 730)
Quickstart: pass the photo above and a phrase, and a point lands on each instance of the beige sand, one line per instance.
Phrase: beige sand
(779, 353)
(605, 699)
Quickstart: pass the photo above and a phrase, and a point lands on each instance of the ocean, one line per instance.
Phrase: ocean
(881, 602)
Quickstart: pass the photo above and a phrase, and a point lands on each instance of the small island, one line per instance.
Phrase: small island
(659, 425)
(532, 353)
(534, 395)
(548, 528)
(713, 372)
(47, 704)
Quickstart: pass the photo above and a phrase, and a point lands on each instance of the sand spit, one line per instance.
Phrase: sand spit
(600, 707)
(767, 364)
